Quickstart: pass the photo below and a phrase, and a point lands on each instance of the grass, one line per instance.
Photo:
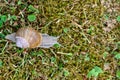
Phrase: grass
(88, 40)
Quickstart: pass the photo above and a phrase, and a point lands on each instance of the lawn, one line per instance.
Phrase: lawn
(89, 37)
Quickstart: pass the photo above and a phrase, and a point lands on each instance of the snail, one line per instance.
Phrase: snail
(27, 37)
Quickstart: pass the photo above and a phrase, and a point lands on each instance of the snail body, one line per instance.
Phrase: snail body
(27, 37)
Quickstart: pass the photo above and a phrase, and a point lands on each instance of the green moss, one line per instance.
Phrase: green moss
(83, 42)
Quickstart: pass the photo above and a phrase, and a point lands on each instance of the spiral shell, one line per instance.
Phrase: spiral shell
(28, 38)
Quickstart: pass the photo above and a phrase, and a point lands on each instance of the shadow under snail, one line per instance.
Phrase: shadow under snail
(27, 37)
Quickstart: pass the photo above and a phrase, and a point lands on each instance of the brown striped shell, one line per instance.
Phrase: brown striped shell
(30, 38)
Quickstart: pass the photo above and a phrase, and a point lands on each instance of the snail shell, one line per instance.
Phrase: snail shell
(28, 38)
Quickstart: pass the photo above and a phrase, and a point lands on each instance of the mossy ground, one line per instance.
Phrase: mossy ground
(84, 42)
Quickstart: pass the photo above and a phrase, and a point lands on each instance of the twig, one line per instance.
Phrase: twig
(80, 26)
(4, 48)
